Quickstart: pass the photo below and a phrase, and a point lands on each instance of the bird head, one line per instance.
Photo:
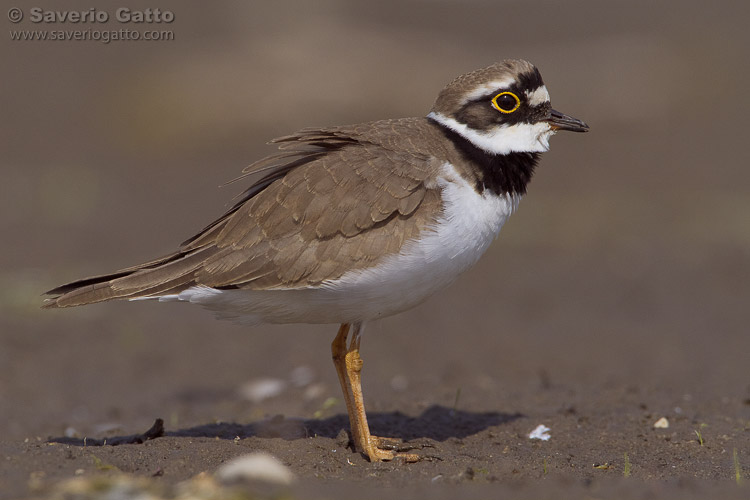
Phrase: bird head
(501, 109)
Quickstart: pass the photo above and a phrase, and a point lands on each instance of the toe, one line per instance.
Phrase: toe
(388, 449)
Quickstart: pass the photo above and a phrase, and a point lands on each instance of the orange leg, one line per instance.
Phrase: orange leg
(348, 365)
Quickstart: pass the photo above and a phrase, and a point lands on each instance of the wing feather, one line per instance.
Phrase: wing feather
(330, 201)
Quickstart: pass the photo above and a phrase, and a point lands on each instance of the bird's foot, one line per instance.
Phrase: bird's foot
(387, 449)
(382, 449)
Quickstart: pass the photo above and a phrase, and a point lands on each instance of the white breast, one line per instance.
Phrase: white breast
(469, 223)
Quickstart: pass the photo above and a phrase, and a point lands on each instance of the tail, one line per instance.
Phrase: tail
(168, 275)
(177, 272)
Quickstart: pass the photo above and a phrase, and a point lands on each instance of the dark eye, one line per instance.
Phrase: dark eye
(506, 102)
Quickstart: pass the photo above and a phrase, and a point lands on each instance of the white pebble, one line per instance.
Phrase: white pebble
(255, 467)
(662, 423)
(262, 389)
(541, 432)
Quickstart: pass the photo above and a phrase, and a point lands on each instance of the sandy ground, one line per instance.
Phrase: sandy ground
(618, 294)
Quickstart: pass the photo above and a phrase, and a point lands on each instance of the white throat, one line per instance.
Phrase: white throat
(518, 138)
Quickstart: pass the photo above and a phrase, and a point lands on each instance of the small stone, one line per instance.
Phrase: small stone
(259, 466)
(662, 423)
(541, 432)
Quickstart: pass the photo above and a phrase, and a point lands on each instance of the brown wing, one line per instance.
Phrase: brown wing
(333, 200)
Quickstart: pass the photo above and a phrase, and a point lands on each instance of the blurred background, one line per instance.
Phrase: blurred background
(627, 265)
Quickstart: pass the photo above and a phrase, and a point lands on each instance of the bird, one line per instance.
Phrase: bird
(347, 224)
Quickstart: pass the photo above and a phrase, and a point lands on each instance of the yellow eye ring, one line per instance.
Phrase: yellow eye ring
(506, 106)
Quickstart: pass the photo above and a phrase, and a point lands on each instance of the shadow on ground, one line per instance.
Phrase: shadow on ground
(437, 422)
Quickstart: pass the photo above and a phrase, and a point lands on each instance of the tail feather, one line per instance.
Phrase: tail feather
(170, 274)
(178, 271)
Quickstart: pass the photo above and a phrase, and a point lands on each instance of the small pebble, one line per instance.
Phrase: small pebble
(662, 423)
(541, 432)
(255, 467)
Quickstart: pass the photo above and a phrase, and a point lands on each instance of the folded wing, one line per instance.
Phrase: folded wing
(330, 201)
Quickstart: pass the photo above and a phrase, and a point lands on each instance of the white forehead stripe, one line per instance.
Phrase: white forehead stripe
(538, 96)
(488, 87)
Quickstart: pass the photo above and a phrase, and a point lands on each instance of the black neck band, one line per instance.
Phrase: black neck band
(501, 173)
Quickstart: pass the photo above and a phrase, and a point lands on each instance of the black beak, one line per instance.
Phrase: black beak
(559, 121)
